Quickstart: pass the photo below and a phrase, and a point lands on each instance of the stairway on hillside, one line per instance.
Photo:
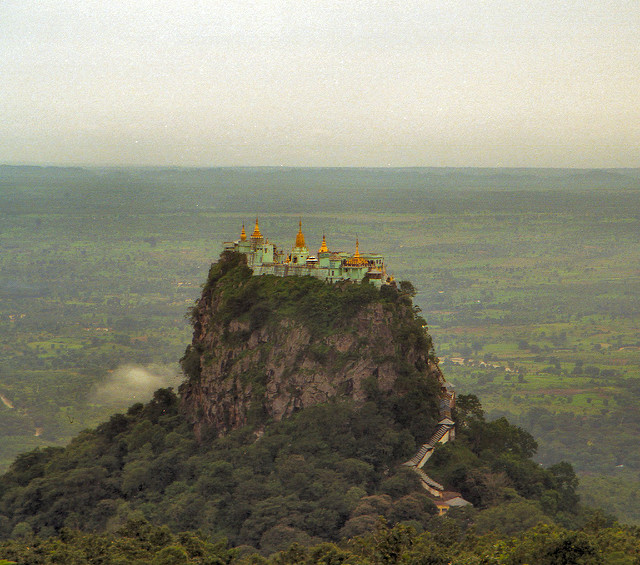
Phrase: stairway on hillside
(444, 432)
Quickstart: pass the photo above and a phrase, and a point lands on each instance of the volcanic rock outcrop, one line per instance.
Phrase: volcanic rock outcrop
(265, 346)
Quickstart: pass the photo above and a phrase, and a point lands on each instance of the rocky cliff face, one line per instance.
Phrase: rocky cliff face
(264, 347)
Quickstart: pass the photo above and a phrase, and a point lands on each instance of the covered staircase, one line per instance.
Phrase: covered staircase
(444, 432)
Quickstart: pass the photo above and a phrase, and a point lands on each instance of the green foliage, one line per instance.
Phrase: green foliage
(467, 409)
(303, 480)
(232, 265)
(511, 517)
(327, 473)
(500, 437)
(406, 287)
(264, 300)
(140, 543)
(171, 555)
(136, 542)
(191, 363)
(490, 464)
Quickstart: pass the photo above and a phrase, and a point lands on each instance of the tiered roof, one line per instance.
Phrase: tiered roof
(357, 260)
(300, 238)
(256, 231)
(323, 247)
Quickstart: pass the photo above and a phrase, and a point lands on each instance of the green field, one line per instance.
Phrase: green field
(529, 280)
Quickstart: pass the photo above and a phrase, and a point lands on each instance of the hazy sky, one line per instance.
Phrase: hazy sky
(334, 82)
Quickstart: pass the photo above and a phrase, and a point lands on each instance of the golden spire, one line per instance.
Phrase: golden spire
(323, 248)
(243, 234)
(300, 237)
(356, 260)
(256, 232)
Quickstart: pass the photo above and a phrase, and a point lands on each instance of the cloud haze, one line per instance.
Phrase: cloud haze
(327, 82)
(129, 384)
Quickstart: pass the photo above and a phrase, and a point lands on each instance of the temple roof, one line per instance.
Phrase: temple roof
(300, 237)
(256, 232)
(357, 260)
(243, 234)
(323, 248)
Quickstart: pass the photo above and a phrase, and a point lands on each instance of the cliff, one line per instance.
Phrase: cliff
(265, 347)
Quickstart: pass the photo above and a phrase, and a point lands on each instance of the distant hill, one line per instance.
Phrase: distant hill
(345, 177)
(336, 188)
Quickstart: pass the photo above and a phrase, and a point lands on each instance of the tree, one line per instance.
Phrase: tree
(467, 408)
(566, 483)
(510, 518)
(407, 288)
(171, 555)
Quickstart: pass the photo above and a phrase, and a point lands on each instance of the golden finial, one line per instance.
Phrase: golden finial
(323, 248)
(356, 260)
(243, 234)
(300, 237)
(256, 232)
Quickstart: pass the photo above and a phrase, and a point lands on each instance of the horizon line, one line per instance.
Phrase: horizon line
(44, 165)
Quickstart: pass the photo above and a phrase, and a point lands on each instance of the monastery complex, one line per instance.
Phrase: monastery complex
(265, 258)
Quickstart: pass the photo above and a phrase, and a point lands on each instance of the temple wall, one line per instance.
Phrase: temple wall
(266, 259)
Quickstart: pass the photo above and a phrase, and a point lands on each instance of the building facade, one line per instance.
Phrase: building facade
(265, 258)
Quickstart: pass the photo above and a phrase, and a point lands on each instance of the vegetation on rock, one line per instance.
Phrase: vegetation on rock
(264, 347)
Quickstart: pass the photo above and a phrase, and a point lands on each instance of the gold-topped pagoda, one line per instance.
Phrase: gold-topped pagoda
(265, 258)
(300, 237)
(357, 260)
(256, 231)
(323, 247)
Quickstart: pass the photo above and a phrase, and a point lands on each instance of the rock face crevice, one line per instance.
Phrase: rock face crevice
(257, 354)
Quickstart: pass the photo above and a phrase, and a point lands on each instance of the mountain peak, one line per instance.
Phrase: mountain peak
(266, 346)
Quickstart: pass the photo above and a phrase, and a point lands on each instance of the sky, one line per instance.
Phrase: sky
(377, 83)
